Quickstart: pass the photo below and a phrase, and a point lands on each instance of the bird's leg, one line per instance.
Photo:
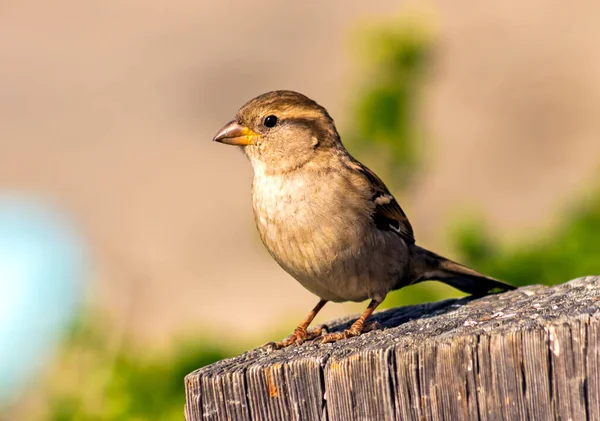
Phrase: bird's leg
(357, 327)
(301, 333)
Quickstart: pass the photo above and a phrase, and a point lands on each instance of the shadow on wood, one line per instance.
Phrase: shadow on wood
(529, 354)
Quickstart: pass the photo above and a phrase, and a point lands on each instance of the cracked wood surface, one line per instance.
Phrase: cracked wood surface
(529, 354)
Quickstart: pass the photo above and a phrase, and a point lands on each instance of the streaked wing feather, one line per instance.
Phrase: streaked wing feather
(388, 214)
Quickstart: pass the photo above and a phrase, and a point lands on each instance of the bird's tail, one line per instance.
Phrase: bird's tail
(430, 266)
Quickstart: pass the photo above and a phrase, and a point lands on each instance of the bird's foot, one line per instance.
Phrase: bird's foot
(299, 336)
(354, 330)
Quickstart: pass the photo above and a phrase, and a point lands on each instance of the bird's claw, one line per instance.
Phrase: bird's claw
(349, 333)
(336, 336)
(299, 336)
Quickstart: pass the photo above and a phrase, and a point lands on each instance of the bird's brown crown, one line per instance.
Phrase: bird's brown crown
(283, 104)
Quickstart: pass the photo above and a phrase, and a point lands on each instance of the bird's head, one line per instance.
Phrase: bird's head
(280, 131)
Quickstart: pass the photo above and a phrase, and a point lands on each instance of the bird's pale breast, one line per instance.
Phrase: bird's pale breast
(317, 229)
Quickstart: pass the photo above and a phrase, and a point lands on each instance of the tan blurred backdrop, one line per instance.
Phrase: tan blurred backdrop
(109, 107)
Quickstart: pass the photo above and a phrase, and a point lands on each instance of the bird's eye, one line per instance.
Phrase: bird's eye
(270, 121)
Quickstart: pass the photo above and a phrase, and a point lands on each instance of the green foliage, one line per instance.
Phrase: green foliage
(570, 251)
(97, 381)
(385, 123)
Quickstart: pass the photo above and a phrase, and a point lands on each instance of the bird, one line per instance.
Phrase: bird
(327, 219)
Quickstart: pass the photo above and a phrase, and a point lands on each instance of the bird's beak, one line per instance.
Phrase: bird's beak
(235, 134)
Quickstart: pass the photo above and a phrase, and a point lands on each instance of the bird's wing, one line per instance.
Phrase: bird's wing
(388, 215)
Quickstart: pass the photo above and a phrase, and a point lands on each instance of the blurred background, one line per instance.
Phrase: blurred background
(482, 119)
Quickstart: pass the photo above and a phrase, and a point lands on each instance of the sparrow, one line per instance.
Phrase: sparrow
(328, 220)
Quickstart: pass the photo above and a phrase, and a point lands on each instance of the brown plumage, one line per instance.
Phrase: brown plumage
(328, 220)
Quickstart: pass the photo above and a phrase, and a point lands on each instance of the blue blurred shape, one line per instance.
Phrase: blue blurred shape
(41, 271)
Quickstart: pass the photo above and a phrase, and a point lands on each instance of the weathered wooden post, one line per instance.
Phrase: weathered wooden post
(529, 354)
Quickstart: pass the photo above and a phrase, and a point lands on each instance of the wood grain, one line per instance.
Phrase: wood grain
(530, 354)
